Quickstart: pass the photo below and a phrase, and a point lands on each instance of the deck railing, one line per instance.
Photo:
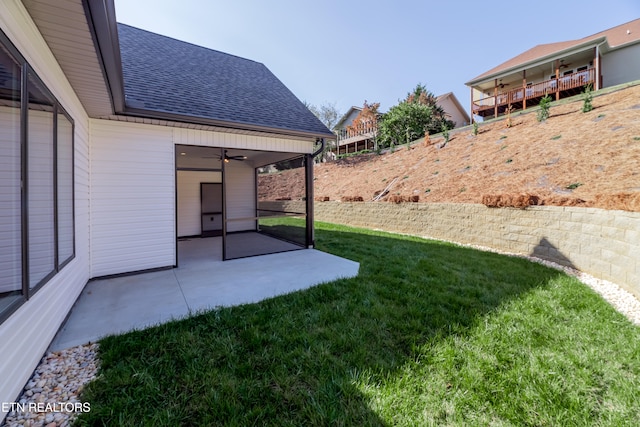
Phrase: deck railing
(358, 132)
(536, 90)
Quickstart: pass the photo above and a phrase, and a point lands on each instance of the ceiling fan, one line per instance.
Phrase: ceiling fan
(228, 157)
(563, 65)
(502, 85)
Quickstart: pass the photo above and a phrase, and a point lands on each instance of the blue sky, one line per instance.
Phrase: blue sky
(345, 52)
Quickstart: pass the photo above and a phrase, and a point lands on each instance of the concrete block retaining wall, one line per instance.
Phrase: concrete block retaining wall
(602, 243)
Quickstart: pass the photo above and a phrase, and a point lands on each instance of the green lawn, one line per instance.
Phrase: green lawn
(428, 334)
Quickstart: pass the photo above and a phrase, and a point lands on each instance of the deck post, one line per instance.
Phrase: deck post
(495, 99)
(524, 89)
(471, 115)
(557, 79)
(596, 62)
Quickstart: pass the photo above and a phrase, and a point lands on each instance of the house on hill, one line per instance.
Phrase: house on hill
(109, 134)
(354, 140)
(560, 69)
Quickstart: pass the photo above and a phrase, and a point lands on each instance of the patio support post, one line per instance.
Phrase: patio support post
(308, 169)
(308, 174)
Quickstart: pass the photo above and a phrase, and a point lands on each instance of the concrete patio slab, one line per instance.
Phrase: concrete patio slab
(201, 282)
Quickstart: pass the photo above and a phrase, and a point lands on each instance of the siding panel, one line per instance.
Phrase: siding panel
(621, 66)
(132, 206)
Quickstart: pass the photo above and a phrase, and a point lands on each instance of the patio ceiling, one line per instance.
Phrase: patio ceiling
(195, 157)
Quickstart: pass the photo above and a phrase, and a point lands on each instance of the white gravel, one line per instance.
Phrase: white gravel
(50, 398)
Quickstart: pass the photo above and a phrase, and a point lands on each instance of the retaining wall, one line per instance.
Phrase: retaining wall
(602, 243)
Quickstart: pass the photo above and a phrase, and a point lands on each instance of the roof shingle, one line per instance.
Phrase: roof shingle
(171, 76)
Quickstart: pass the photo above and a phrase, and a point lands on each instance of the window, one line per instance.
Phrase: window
(40, 203)
(36, 182)
(10, 179)
(582, 68)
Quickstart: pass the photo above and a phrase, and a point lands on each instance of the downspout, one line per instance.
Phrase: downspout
(308, 167)
(597, 66)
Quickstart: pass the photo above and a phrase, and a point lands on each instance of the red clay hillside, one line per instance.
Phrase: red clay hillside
(573, 158)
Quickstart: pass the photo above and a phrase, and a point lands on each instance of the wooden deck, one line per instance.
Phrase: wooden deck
(530, 95)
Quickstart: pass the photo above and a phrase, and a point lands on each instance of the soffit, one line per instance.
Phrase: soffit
(197, 157)
(63, 25)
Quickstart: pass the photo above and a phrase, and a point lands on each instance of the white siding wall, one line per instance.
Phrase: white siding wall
(25, 336)
(621, 66)
(132, 197)
(452, 109)
(189, 200)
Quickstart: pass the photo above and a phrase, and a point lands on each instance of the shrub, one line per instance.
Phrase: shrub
(587, 97)
(543, 112)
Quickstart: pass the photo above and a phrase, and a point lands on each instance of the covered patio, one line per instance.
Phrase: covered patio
(201, 282)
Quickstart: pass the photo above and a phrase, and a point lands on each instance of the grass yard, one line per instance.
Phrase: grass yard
(428, 334)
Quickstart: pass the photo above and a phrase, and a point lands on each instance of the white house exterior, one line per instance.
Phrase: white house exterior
(453, 109)
(94, 186)
(561, 69)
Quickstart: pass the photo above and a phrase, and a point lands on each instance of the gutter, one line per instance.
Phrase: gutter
(101, 18)
(319, 150)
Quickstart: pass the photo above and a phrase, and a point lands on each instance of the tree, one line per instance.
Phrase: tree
(416, 115)
(366, 121)
(366, 118)
(328, 114)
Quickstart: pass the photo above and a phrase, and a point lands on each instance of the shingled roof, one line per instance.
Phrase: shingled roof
(173, 77)
(616, 37)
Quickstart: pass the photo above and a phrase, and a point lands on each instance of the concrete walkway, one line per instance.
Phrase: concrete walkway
(201, 282)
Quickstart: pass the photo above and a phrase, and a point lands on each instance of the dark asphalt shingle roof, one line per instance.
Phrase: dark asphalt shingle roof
(171, 76)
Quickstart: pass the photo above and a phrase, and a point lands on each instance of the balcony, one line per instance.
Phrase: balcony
(357, 138)
(530, 95)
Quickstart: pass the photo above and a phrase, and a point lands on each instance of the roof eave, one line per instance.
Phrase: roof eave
(540, 60)
(101, 17)
(346, 116)
(163, 115)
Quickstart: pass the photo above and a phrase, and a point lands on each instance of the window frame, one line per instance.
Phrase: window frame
(26, 73)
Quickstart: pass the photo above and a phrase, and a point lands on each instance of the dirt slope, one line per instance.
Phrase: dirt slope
(574, 158)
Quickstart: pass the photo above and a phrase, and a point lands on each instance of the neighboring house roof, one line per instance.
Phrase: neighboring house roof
(615, 37)
(341, 123)
(169, 76)
(439, 100)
